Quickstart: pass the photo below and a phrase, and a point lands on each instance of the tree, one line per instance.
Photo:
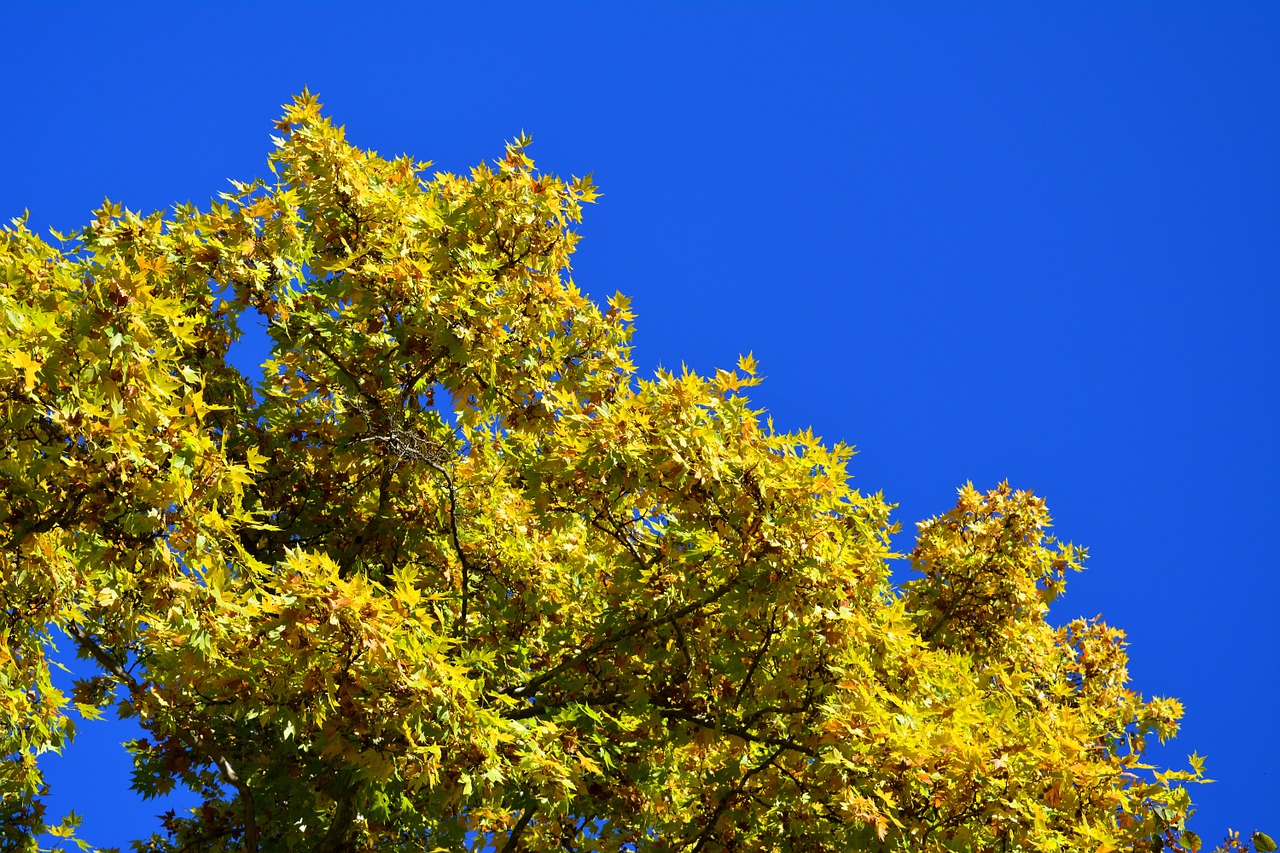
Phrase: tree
(452, 574)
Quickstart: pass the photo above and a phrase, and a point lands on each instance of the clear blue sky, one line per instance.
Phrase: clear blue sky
(979, 241)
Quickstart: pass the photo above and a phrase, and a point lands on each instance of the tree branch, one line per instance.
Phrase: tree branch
(91, 647)
(700, 841)
(336, 839)
(759, 656)
(540, 709)
(615, 533)
(457, 546)
(736, 731)
(531, 686)
(513, 840)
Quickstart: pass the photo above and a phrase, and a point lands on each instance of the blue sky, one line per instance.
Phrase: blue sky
(979, 241)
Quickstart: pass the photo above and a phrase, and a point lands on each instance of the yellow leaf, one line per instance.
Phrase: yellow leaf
(255, 461)
(24, 362)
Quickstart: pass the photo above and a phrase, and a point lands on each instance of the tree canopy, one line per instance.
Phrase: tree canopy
(452, 575)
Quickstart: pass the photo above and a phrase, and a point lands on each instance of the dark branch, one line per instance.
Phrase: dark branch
(700, 841)
(530, 687)
(759, 656)
(783, 744)
(513, 840)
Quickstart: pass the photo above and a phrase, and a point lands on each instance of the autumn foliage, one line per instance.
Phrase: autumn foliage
(452, 575)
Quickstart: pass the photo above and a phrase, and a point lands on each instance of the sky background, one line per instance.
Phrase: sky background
(978, 241)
